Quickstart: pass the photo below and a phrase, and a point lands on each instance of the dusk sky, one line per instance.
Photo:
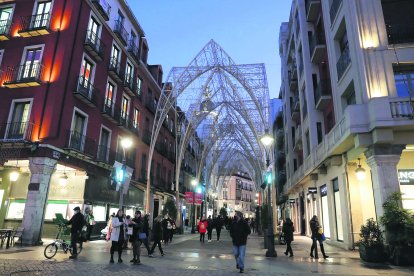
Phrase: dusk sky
(247, 30)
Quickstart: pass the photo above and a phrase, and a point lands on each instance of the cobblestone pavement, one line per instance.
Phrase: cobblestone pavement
(187, 256)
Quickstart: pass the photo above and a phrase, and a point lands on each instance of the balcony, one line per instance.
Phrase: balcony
(111, 112)
(94, 46)
(323, 94)
(343, 63)
(128, 124)
(85, 91)
(150, 104)
(295, 109)
(336, 4)
(103, 8)
(317, 47)
(35, 25)
(298, 138)
(400, 34)
(120, 32)
(103, 154)
(146, 137)
(17, 131)
(133, 49)
(402, 109)
(129, 85)
(129, 159)
(5, 29)
(114, 70)
(27, 75)
(81, 143)
(293, 78)
(313, 8)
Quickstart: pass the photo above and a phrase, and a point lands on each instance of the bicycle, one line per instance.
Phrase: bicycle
(52, 248)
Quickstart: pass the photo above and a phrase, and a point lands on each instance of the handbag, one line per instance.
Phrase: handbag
(142, 236)
(323, 237)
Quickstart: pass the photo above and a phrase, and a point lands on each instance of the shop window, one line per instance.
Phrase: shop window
(99, 213)
(16, 209)
(338, 210)
(404, 80)
(325, 211)
(54, 207)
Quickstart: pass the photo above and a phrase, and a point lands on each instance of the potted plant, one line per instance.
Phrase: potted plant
(399, 230)
(371, 246)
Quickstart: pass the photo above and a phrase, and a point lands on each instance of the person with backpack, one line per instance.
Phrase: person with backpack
(157, 235)
(77, 221)
(288, 230)
(137, 226)
(209, 228)
(202, 228)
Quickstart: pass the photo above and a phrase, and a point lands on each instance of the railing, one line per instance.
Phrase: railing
(5, 27)
(34, 22)
(120, 31)
(24, 73)
(79, 142)
(317, 39)
(129, 81)
(114, 66)
(323, 89)
(402, 108)
(103, 153)
(146, 137)
(132, 48)
(334, 9)
(104, 8)
(85, 88)
(343, 63)
(399, 34)
(21, 131)
(95, 43)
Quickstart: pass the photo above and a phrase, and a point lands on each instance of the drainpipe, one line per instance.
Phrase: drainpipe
(349, 202)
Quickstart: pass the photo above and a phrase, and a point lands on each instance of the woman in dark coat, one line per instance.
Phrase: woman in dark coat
(288, 230)
(145, 230)
(316, 236)
(157, 234)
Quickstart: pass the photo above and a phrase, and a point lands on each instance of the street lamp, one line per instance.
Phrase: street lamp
(267, 140)
(126, 143)
(194, 182)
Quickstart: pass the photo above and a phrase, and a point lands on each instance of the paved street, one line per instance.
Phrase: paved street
(186, 256)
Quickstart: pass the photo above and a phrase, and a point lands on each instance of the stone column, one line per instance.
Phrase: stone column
(41, 169)
(383, 162)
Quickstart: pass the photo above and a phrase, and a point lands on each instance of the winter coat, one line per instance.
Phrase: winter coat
(218, 223)
(116, 229)
(202, 226)
(314, 226)
(145, 227)
(239, 231)
(288, 230)
(136, 228)
(77, 222)
(210, 225)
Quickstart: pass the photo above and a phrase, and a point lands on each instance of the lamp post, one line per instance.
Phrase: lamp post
(126, 143)
(194, 183)
(267, 140)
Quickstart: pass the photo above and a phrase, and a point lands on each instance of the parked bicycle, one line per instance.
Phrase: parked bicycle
(52, 248)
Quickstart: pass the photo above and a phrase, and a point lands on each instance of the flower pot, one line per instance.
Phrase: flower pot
(373, 254)
(402, 255)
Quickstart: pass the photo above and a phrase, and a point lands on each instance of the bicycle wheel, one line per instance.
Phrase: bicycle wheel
(50, 250)
(78, 247)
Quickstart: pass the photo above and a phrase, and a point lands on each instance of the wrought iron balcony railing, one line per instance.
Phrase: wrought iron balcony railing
(16, 131)
(120, 31)
(29, 74)
(81, 143)
(86, 91)
(103, 7)
(94, 45)
(34, 25)
(133, 49)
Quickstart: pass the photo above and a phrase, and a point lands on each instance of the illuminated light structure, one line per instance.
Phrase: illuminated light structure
(348, 110)
(61, 108)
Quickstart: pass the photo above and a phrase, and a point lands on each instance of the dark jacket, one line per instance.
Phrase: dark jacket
(145, 227)
(218, 223)
(136, 228)
(157, 231)
(314, 226)
(288, 230)
(239, 231)
(210, 225)
(77, 222)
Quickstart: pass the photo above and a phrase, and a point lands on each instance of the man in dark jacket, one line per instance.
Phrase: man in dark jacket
(239, 231)
(77, 221)
(218, 223)
(288, 230)
(157, 235)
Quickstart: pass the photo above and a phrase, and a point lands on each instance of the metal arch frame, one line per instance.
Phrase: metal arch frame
(168, 100)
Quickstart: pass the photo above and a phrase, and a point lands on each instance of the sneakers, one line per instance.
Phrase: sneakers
(150, 256)
(209, 240)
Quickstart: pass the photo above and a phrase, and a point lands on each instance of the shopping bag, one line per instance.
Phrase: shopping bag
(323, 237)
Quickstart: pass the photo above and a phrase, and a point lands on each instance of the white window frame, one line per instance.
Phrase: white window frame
(92, 78)
(25, 49)
(13, 104)
(114, 93)
(129, 104)
(120, 52)
(36, 3)
(96, 18)
(75, 109)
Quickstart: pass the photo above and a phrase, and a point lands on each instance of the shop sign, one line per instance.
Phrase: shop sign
(312, 190)
(406, 177)
(198, 198)
(189, 197)
(324, 190)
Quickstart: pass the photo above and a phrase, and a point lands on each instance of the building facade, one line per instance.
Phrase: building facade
(347, 87)
(75, 81)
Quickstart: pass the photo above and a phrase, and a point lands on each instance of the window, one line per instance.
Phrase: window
(104, 144)
(115, 56)
(319, 131)
(404, 80)
(137, 118)
(86, 73)
(338, 211)
(343, 42)
(42, 14)
(125, 107)
(31, 63)
(143, 166)
(307, 143)
(139, 84)
(5, 18)
(78, 130)
(129, 72)
(325, 211)
(109, 95)
(19, 120)
(94, 31)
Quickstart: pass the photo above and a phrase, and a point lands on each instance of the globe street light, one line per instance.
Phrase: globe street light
(267, 140)
(126, 143)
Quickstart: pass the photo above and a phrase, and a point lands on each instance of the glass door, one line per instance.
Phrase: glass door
(5, 16)
(31, 64)
(93, 31)
(19, 121)
(42, 15)
(77, 136)
(86, 75)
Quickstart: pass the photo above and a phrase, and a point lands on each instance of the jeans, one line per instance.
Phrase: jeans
(289, 248)
(239, 253)
(136, 249)
(209, 233)
(202, 235)
(145, 242)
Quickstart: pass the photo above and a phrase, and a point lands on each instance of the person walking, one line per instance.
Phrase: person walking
(218, 224)
(202, 228)
(288, 230)
(173, 227)
(77, 221)
(316, 236)
(157, 234)
(252, 224)
(118, 235)
(209, 228)
(239, 230)
(166, 228)
(90, 222)
(137, 226)
(145, 230)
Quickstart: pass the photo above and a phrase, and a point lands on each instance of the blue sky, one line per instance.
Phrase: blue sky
(247, 30)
